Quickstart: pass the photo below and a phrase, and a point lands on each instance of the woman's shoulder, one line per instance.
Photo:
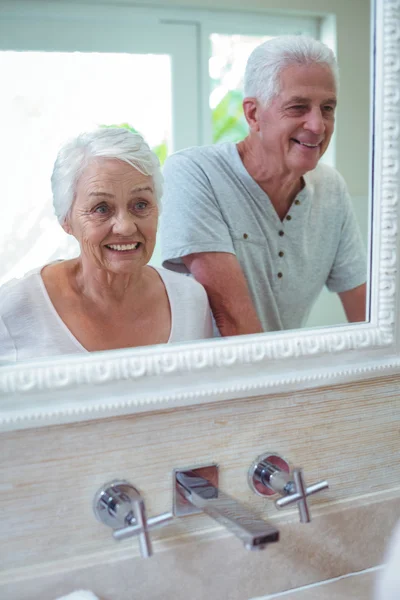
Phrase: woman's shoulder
(191, 313)
(18, 290)
(31, 287)
(184, 291)
(183, 282)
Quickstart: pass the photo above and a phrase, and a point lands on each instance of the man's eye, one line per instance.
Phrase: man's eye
(298, 107)
(329, 108)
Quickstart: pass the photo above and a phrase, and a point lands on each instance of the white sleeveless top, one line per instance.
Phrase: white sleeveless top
(30, 326)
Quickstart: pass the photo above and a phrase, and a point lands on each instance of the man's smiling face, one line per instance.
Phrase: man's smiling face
(296, 127)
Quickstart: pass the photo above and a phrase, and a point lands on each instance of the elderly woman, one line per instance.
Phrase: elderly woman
(106, 188)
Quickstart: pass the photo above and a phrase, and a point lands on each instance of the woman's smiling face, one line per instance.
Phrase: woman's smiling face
(114, 216)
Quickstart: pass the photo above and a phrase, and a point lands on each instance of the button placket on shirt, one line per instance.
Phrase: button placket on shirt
(281, 233)
(281, 254)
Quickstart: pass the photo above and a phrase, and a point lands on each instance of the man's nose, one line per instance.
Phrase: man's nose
(315, 122)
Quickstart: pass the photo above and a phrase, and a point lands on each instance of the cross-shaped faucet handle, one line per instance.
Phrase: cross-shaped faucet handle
(120, 506)
(300, 495)
(141, 527)
(270, 475)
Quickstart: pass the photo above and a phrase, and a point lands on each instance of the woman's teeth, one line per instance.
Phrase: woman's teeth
(123, 246)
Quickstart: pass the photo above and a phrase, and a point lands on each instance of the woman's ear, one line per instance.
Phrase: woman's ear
(66, 226)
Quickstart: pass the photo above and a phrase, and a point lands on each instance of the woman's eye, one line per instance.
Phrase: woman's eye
(141, 205)
(102, 209)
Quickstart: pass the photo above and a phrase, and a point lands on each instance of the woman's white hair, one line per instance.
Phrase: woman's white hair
(265, 63)
(107, 142)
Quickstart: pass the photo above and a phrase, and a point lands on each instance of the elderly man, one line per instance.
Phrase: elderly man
(261, 224)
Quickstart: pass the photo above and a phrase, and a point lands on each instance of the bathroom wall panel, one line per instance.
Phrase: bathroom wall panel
(348, 435)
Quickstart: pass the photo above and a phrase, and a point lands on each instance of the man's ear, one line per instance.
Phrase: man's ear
(250, 109)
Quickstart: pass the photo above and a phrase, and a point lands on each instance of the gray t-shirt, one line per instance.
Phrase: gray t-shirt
(212, 204)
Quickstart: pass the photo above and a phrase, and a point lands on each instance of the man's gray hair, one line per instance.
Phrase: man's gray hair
(265, 63)
(108, 142)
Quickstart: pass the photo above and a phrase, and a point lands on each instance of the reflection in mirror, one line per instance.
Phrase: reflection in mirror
(229, 54)
(48, 111)
(261, 223)
(106, 188)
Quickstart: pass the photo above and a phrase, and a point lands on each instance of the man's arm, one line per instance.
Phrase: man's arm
(354, 303)
(222, 277)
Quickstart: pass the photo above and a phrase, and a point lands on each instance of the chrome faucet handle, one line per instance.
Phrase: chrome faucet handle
(120, 506)
(270, 475)
(300, 495)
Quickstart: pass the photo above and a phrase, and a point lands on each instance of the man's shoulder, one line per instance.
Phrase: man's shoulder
(324, 171)
(200, 154)
(325, 177)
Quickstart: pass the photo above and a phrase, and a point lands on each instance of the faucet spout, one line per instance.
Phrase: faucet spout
(253, 531)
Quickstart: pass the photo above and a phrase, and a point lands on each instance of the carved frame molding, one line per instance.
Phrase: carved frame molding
(69, 389)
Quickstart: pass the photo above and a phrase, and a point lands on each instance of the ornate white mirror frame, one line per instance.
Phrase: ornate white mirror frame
(106, 384)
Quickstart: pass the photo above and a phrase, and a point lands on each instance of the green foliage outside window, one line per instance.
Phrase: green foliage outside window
(161, 150)
(228, 124)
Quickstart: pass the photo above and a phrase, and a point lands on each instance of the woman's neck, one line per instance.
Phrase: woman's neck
(105, 288)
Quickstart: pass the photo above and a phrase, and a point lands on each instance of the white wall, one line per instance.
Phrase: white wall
(51, 544)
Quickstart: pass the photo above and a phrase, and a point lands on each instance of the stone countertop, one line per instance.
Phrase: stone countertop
(356, 586)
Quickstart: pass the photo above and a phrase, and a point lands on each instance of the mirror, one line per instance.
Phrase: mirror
(212, 370)
(48, 111)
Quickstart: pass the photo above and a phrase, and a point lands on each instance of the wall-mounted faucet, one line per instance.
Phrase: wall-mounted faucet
(270, 474)
(119, 505)
(196, 490)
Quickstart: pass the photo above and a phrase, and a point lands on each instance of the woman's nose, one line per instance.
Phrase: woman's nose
(125, 224)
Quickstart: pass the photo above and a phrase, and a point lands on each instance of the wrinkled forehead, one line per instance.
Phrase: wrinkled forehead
(111, 173)
(307, 80)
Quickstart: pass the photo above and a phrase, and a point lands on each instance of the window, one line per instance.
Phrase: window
(85, 91)
(229, 54)
(59, 78)
(175, 76)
